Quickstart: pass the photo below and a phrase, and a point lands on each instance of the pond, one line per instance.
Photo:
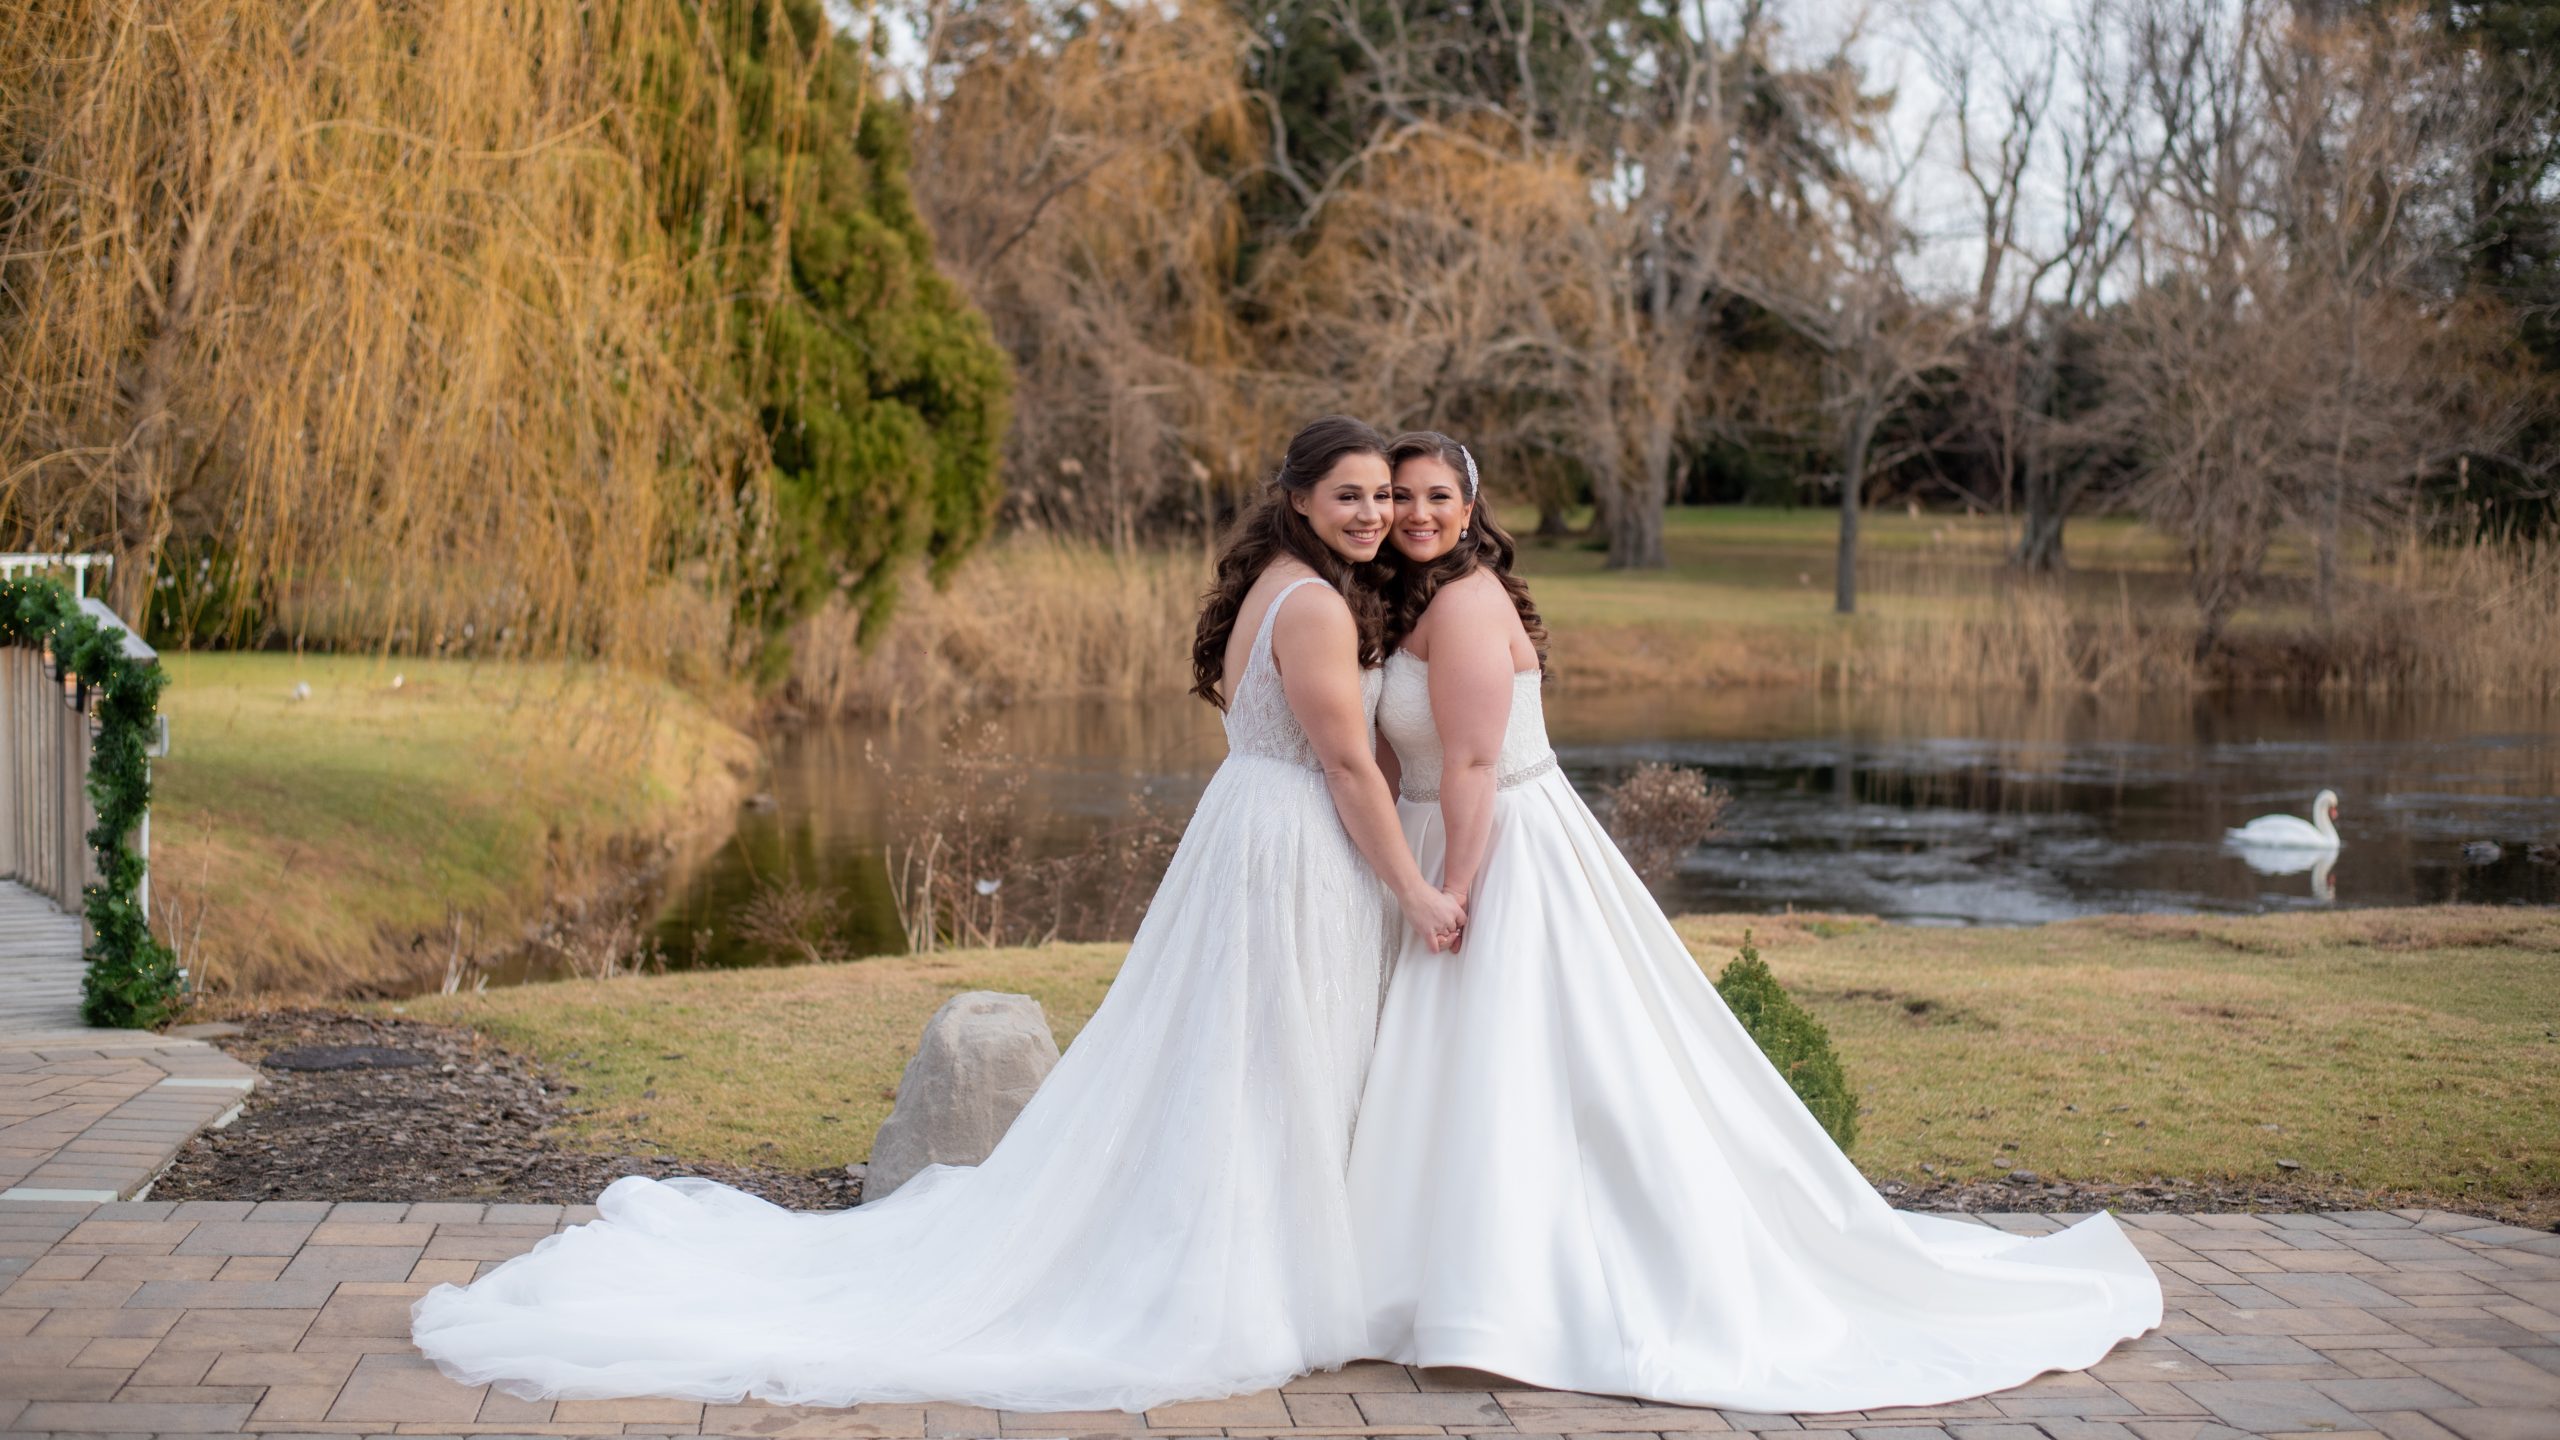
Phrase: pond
(1928, 810)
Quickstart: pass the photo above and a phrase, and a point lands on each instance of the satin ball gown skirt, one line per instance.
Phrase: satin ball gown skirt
(1574, 1168)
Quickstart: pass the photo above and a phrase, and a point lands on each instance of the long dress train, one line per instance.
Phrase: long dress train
(1165, 1220)
(1574, 1167)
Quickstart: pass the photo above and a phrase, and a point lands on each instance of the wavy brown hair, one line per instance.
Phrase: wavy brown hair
(1272, 527)
(1487, 546)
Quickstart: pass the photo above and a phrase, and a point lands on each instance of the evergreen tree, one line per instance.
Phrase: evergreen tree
(882, 394)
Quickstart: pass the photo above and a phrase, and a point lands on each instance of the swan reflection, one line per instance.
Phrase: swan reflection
(2292, 860)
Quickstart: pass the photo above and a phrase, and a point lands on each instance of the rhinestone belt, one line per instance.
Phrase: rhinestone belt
(1521, 776)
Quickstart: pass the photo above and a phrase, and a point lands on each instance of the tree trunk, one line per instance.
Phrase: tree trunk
(1853, 485)
(1635, 534)
(2214, 604)
(2334, 502)
(2048, 498)
(1635, 511)
(2039, 549)
(142, 479)
(2325, 562)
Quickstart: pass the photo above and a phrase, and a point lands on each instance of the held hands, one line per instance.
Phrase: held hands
(1437, 916)
(1457, 896)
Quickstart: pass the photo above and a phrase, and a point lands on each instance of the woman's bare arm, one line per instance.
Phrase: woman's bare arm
(1317, 647)
(1471, 687)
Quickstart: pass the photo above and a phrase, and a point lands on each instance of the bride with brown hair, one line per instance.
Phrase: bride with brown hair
(1166, 1220)
(1574, 1167)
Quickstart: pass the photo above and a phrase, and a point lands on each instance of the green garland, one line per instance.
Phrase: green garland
(133, 980)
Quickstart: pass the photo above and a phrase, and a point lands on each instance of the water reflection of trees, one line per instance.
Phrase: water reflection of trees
(2086, 797)
(2124, 800)
(1090, 780)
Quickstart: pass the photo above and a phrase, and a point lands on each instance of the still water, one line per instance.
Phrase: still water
(1927, 810)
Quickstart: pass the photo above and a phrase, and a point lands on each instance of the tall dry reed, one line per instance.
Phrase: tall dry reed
(1949, 626)
(1032, 617)
(1036, 616)
(2480, 620)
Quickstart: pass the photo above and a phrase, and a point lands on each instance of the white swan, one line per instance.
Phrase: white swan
(2320, 832)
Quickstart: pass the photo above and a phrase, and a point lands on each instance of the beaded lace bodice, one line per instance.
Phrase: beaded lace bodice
(1165, 1220)
(1259, 720)
(1404, 718)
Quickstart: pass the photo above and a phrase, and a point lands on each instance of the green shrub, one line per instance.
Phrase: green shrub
(1793, 1040)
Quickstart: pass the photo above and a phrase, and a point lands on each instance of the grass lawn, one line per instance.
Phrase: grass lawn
(1746, 595)
(2404, 1050)
(788, 1066)
(2409, 1051)
(315, 842)
(1761, 565)
(1746, 598)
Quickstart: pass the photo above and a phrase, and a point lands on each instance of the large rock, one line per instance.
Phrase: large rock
(983, 1055)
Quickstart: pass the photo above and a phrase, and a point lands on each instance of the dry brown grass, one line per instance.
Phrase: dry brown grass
(1746, 602)
(1947, 626)
(1029, 617)
(2402, 1053)
(365, 838)
(2482, 620)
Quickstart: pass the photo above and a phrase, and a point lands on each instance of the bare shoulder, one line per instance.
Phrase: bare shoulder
(1478, 589)
(1470, 620)
(1475, 599)
(1317, 610)
(1283, 572)
(1312, 631)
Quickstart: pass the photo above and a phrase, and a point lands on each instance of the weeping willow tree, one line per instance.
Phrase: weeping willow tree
(555, 327)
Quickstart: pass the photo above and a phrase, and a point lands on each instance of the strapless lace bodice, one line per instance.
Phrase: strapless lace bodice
(1259, 720)
(1404, 718)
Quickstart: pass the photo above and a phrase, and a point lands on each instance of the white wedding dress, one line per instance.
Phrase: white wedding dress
(1574, 1167)
(1166, 1219)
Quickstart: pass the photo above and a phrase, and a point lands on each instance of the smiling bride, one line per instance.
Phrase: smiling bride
(1166, 1220)
(1574, 1167)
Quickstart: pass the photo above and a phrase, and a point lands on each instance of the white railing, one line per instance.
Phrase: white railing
(46, 727)
(78, 565)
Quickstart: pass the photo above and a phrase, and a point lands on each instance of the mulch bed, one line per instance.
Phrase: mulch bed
(2182, 1197)
(476, 1124)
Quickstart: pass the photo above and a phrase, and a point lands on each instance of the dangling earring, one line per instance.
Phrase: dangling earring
(1462, 532)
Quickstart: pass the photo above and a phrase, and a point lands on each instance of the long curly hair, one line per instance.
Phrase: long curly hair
(1487, 546)
(1272, 527)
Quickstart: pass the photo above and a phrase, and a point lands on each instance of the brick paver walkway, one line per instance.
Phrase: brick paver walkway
(209, 1317)
(90, 1115)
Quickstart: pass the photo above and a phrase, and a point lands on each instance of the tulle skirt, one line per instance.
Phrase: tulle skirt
(1576, 1169)
(1166, 1220)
